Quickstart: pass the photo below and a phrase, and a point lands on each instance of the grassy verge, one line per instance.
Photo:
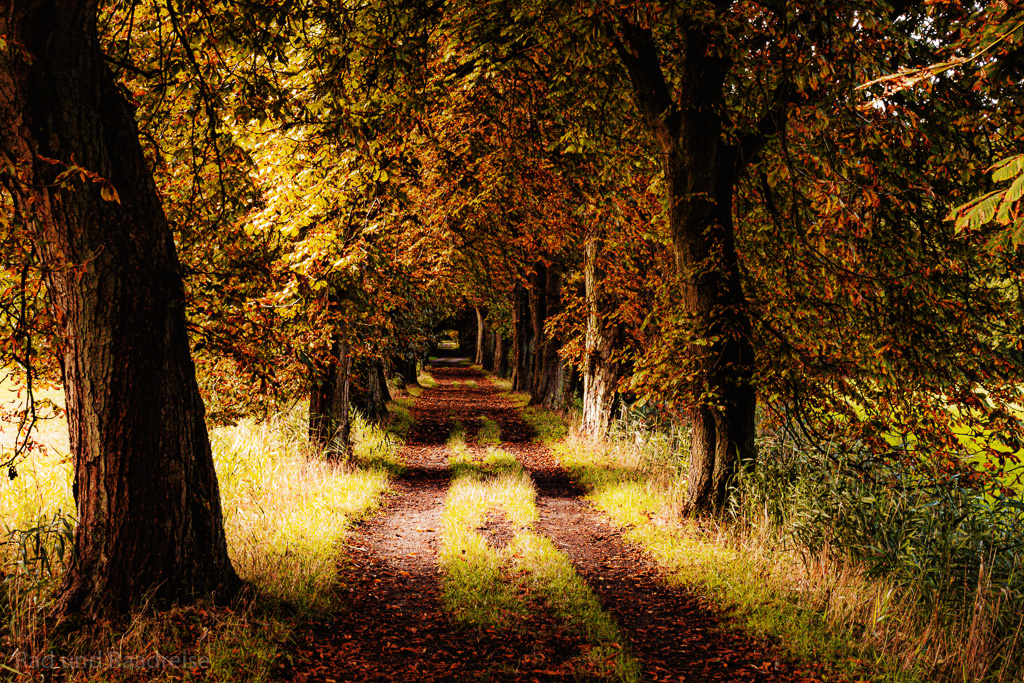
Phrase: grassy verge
(772, 593)
(490, 431)
(426, 380)
(819, 604)
(488, 585)
(503, 385)
(285, 515)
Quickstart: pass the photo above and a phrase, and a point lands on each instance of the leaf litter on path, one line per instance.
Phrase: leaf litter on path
(392, 625)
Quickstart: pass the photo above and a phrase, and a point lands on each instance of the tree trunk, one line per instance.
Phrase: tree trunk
(522, 340)
(330, 425)
(481, 336)
(405, 366)
(149, 515)
(537, 298)
(489, 342)
(499, 363)
(505, 366)
(371, 395)
(549, 368)
(701, 169)
(603, 338)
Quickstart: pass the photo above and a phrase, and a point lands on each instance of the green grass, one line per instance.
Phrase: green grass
(549, 427)
(486, 586)
(756, 580)
(426, 380)
(503, 385)
(474, 585)
(401, 420)
(286, 514)
(490, 431)
(822, 606)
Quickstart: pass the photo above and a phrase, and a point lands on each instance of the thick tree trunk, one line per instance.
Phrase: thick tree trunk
(405, 366)
(371, 395)
(522, 340)
(481, 337)
(330, 425)
(723, 419)
(500, 363)
(490, 339)
(701, 170)
(537, 298)
(549, 368)
(505, 357)
(572, 384)
(603, 339)
(148, 505)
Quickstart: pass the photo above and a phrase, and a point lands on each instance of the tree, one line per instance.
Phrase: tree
(149, 517)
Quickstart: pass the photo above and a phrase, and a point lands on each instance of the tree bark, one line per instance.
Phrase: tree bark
(371, 395)
(500, 364)
(149, 515)
(603, 339)
(522, 340)
(701, 169)
(549, 368)
(330, 424)
(481, 336)
(405, 366)
(537, 298)
(490, 339)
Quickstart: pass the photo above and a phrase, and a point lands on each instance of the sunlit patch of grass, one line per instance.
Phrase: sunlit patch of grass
(820, 609)
(471, 383)
(503, 385)
(549, 427)
(497, 587)
(475, 589)
(456, 433)
(286, 513)
(42, 487)
(550, 572)
(490, 431)
(426, 380)
(376, 447)
(518, 399)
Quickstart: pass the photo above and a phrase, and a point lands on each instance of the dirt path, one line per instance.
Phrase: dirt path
(394, 627)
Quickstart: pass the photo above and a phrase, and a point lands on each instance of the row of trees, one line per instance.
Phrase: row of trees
(691, 205)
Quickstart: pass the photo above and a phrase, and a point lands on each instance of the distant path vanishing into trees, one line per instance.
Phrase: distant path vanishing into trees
(394, 626)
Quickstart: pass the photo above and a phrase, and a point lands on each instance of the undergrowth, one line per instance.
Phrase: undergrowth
(286, 513)
(914, 582)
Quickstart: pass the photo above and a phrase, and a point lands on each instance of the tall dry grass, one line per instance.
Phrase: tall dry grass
(823, 601)
(286, 514)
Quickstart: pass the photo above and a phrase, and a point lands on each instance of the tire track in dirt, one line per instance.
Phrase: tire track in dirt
(394, 627)
(672, 633)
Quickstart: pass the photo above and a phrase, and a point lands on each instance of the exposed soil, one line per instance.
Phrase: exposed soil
(394, 628)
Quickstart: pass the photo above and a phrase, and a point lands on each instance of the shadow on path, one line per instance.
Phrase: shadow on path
(393, 626)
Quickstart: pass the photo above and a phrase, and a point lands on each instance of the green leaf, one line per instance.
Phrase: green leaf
(1008, 168)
